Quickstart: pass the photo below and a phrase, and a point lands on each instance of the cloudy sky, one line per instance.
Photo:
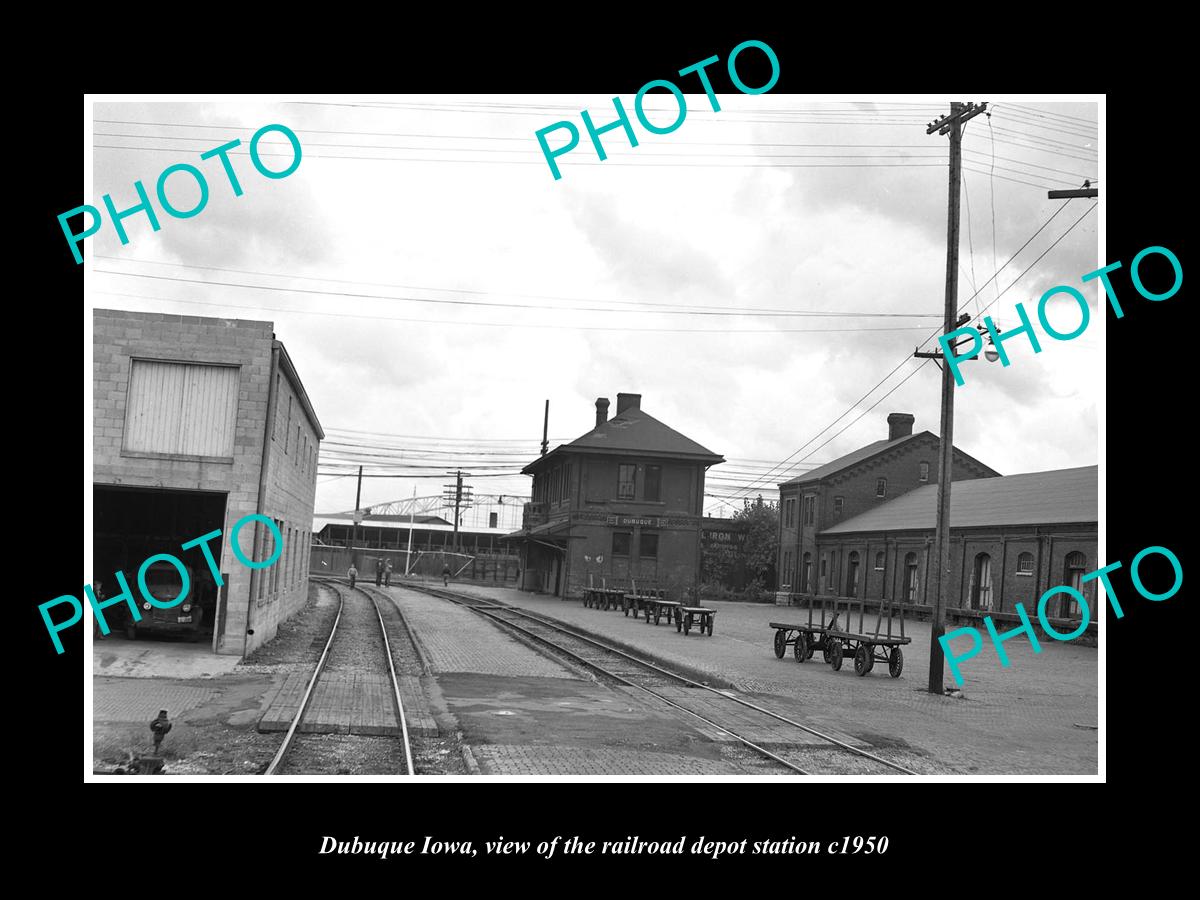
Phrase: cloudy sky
(435, 285)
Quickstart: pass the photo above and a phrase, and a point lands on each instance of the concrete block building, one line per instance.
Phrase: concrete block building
(622, 503)
(199, 422)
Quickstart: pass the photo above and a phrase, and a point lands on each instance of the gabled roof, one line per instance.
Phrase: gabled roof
(1032, 498)
(864, 453)
(634, 432)
(851, 459)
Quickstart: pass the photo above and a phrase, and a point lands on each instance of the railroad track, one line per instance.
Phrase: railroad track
(351, 645)
(632, 671)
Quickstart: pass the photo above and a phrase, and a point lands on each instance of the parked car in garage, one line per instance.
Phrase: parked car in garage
(163, 581)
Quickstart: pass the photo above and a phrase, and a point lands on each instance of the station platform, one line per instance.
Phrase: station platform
(1036, 716)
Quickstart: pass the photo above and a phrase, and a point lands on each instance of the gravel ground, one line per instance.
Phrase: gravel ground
(300, 640)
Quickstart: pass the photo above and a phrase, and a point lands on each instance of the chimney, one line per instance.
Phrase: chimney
(628, 401)
(900, 425)
(601, 411)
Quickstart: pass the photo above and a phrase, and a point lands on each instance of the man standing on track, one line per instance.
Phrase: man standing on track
(353, 573)
(445, 574)
(387, 573)
(378, 571)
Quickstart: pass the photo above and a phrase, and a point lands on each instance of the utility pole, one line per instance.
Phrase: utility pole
(546, 428)
(357, 519)
(457, 506)
(952, 124)
(412, 512)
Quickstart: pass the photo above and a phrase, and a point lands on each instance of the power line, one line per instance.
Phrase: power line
(668, 307)
(538, 325)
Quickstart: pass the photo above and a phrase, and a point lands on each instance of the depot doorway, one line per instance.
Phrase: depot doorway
(132, 524)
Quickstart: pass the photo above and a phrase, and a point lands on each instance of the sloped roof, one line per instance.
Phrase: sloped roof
(635, 431)
(1032, 498)
(852, 459)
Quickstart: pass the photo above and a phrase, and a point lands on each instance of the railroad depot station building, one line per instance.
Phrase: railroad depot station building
(862, 527)
(199, 422)
(621, 504)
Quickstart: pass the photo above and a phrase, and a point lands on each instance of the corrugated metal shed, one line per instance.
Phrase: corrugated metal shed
(1032, 498)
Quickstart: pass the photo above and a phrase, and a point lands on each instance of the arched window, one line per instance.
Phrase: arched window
(912, 578)
(981, 582)
(880, 559)
(806, 581)
(1075, 567)
(852, 574)
(1025, 564)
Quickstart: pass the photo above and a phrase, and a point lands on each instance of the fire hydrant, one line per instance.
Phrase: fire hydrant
(160, 727)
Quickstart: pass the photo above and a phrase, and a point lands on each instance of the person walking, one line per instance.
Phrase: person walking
(378, 571)
(445, 574)
(387, 574)
(353, 573)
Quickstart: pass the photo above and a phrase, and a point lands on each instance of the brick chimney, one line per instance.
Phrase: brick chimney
(900, 425)
(628, 401)
(601, 411)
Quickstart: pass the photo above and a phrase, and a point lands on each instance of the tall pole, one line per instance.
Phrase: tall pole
(457, 505)
(357, 519)
(412, 511)
(546, 428)
(952, 124)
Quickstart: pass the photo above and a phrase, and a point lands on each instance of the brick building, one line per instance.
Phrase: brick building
(623, 502)
(856, 483)
(1011, 539)
(199, 422)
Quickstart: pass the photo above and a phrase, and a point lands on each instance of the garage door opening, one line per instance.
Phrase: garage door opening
(132, 524)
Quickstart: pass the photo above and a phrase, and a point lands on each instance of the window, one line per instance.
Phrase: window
(837, 506)
(824, 561)
(648, 546)
(621, 543)
(852, 574)
(924, 475)
(912, 581)
(1025, 564)
(181, 408)
(810, 507)
(625, 476)
(492, 519)
(790, 518)
(296, 461)
(881, 487)
(787, 566)
(806, 574)
(880, 560)
(287, 434)
(981, 582)
(652, 486)
(275, 424)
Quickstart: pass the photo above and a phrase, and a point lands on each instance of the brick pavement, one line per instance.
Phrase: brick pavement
(140, 699)
(458, 640)
(549, 759)
(1019, 719)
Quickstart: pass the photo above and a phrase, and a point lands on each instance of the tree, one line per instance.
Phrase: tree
(759, 522)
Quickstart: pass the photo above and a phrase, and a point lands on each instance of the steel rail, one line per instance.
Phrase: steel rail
(557, 626)
(387, 649)
(312, 682)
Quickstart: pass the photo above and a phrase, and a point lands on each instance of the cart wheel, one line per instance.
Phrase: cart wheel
(710, 625)
(780, 643)
(835, 654)
(809, 654)
(800, 649)
(861, 660)
(870, 658)
(825, 650)
(896, 662)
